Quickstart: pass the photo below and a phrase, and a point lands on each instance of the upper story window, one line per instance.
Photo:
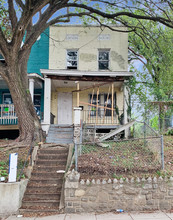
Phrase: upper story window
(72, 59)
(103, 59)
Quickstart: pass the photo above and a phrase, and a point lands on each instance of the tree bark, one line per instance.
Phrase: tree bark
(28, 121)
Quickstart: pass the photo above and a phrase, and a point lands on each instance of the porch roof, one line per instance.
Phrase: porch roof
(86, 75)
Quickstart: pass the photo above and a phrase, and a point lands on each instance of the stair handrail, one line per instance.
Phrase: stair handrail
(29, 153)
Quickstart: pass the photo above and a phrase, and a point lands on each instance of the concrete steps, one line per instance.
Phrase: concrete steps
(60, 134)
(43, 192)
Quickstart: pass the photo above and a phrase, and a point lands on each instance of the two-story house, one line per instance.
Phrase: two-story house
(86, 68)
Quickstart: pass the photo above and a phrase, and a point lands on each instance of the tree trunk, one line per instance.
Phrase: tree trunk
(28, 121)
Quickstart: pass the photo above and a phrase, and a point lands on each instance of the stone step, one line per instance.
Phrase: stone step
(44, 175)
(44, 168)
(38, 181)
(46, 204)
(52, 156)
(41, 196)
(61, 126)
(51, 162)
(61, 130)
(60, 136)
(38, 212)
(59, 141)
(53, 151)
(44, 188)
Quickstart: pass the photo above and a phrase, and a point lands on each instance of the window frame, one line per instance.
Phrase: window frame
(109, 112)
(93, 109)
(35, 106)
(72, 67)
(107, 60)
(6, 93)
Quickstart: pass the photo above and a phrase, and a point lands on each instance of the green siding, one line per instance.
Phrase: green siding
(39, 56)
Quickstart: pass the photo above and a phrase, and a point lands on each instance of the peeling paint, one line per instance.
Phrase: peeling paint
(118, 58)
(88, 57)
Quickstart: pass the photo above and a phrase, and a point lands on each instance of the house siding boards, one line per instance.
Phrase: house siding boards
(39, 56)
(88, 41)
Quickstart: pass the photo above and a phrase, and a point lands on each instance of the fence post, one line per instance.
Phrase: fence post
(162, 152)
(144, 134)
(81, 137)
(76, 157)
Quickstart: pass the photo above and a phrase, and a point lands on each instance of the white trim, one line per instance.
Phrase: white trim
(55, 72)
(35, 75)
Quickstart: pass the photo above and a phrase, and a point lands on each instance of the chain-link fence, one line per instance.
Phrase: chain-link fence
(143, 152)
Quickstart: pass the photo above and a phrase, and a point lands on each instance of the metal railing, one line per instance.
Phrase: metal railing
(101, 117)
(7, 114)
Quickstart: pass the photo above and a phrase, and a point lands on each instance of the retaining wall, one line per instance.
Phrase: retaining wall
(110, 195)
(11, 195)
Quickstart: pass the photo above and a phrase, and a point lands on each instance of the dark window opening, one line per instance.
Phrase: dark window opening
(37, 103)
(71, 59)
(103, 60)
(95, 102)
(108, 103)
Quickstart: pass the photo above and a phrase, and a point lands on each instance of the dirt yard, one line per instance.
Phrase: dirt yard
(124, 160)
(4, 157)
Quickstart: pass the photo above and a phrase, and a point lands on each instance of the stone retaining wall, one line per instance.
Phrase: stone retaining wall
(110, 195)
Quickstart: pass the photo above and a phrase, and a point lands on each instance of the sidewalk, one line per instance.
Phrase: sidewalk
(106, 216)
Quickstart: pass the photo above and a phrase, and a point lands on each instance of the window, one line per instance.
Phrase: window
(37, 103)
(7, 99)
(103, 60)
(108, 103)
(72, 59)
(94, 101)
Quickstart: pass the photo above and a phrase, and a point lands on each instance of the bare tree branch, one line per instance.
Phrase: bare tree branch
(160, 19)
(20, 3)
(12, 14)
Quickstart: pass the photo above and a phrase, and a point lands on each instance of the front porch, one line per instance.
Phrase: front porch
(7, 115)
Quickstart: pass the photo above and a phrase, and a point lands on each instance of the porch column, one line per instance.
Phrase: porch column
(125, 91)
(77, 94)
(31, 88)
(47, 100)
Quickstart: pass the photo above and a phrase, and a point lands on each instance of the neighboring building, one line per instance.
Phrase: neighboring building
(87, 68)
(39, 58)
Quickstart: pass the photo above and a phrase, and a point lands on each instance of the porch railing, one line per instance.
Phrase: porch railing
(7, 114)
(101, 117)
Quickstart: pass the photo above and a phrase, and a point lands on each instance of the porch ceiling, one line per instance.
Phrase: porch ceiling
(72, 84)
(37, 83)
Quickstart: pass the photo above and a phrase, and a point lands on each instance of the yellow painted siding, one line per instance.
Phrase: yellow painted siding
(87, 43)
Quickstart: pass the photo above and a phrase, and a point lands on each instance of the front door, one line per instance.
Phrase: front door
(64, 108)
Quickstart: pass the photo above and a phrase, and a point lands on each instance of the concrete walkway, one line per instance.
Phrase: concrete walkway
(106, 216)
